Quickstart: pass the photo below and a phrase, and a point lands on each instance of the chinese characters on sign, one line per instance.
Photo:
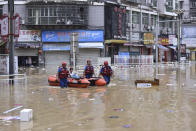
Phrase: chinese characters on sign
(148, 38)
(64, 35)
(4, 26)
(29, 36)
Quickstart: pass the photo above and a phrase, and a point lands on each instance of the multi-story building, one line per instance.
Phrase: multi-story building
(105, 28)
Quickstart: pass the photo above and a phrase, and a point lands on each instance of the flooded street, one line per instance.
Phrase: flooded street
(118, 107)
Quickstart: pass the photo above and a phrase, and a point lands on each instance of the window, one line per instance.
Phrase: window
(135, 17)
(30, 12)
(194, 4)
(145, 19)
(153, 20)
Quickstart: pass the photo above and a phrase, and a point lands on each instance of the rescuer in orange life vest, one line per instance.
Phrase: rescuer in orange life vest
(106, 72)
(63, 73)
(88, 70)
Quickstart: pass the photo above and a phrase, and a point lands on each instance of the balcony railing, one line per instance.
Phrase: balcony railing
(57, 15)
(134, 1)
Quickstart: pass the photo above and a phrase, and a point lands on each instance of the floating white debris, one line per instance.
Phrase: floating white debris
(169, 84)
(160, 74)
(144, 85)
(50, 99)
(91, 99)
(18, 107)
(26, 114)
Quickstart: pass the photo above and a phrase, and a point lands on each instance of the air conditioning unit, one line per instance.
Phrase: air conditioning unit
(148, 27)
(22, 22)
(133, 25)
(166, 3)
(152, 27)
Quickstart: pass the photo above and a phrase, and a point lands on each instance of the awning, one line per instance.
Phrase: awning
(91, 45)
(55, 47)
(133, 44)
(163, 47)
(159, 46)
(115, 41)
(27, 45)
(172, 47)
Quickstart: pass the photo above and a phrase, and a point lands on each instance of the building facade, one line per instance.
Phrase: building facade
(125, 28)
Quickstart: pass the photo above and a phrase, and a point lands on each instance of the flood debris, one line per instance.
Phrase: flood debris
(113, 116)
(170, 111)
(18, 107)
(51, 99)
(118, 109)
(169, 84)
(194, 101)
(91, 99)
(127, 126)
(8, 118)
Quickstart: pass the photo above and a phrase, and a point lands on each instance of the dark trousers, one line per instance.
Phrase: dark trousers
(107, 79)
(89, 75)
(63, 82)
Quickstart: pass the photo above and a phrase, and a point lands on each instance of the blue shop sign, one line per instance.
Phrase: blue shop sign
(64, 35)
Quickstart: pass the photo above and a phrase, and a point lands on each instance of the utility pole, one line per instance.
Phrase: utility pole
(157, 39)
(179, 25)
(11, 39)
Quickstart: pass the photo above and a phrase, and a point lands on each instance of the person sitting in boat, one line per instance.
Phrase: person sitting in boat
(106, 72)
(88, 70)
(72, 74)
(63, 74)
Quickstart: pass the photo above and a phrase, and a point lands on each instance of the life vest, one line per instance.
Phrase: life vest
(89, 70)
(107, 71)
(64, 73)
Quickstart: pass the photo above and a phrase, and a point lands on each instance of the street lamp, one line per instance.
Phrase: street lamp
(179, 13)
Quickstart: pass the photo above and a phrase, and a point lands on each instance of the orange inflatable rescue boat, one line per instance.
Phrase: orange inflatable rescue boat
(78, 83)
(97, 81)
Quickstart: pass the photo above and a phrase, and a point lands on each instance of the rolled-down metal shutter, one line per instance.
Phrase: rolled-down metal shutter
(26, 52)
(88, 54)
(53, 59)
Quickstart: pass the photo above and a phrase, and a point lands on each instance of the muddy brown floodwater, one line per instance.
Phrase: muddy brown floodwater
(118, 107)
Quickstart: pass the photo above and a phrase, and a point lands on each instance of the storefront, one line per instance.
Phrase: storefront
(28, 47)
(56, 46)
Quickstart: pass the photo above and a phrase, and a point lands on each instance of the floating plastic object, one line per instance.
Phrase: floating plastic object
(26, 114)
(120, 109)
(127, 126)
(8, 118)
(18, 107)
(144, 85)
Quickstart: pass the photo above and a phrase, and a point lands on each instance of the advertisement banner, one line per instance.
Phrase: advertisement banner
(164, 41)
(64, 35)
(148, 38)
(4, 26)
(135, 37)
(173, 40)
(4, 62)
(29, 36)
(189, 35)
(183, 49)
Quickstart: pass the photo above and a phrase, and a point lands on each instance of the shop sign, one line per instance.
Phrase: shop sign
(4, 62)
(148, 38)
(29, 36)
(172, 40)
(164, 41)
(189, 35)
(135, 37)
(183, 49)
(64, 35)
(4, 26)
